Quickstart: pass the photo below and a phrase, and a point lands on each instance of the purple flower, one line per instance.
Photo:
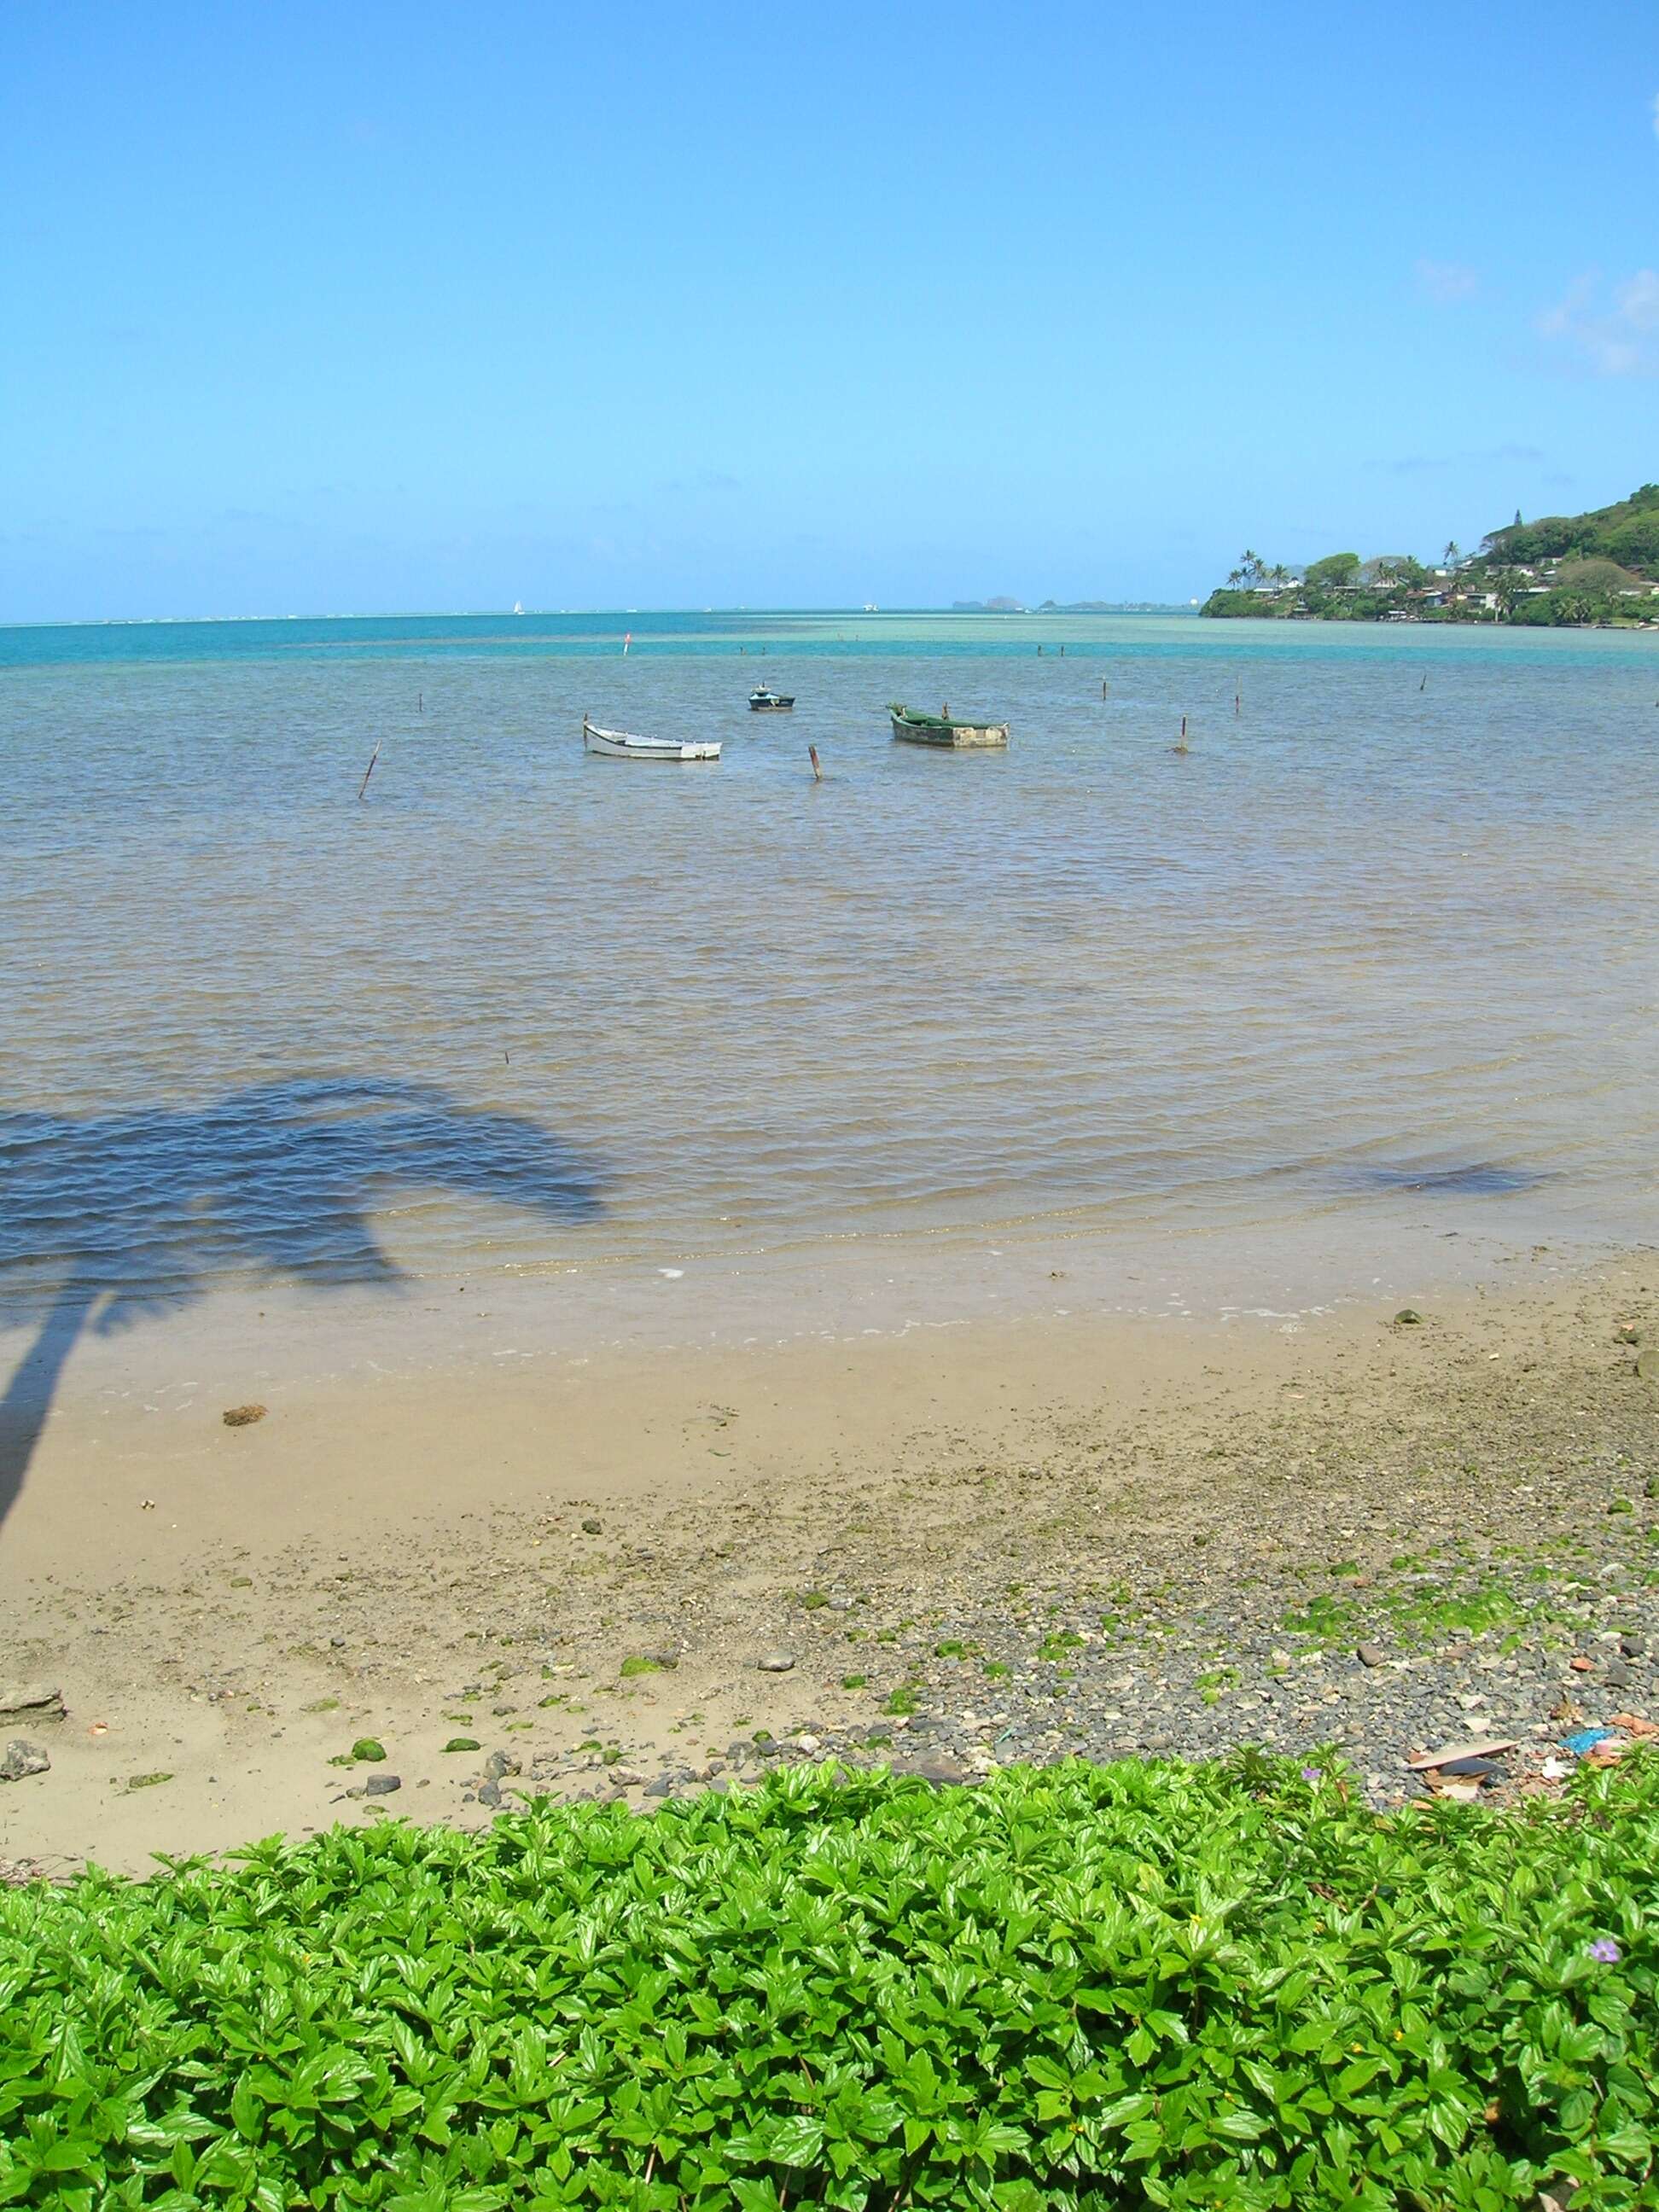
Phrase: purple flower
(1311, 1774)
(1606, 1950)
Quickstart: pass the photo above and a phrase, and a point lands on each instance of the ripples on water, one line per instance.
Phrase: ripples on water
(1362, 934)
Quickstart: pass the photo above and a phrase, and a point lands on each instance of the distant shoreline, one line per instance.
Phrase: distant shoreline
(606, 614)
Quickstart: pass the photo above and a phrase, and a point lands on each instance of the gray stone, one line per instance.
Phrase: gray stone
(1616, 1675)
(490, 1793)
(776, 1663)
(382, 1785)
(944, 1773)
(498, 1764)
(39, 1701)
(22, 1759)
(1371, 1654)
(1633, 1647)
(662, 1786)
(592, 1528)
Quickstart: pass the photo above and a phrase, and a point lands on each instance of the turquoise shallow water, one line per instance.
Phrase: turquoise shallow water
(1385, 928)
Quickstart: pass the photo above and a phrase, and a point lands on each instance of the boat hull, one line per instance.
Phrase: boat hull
(622, 744)
(953, 737)
(771, 705)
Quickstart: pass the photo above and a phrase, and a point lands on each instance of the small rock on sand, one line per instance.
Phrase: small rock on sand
(382, 1785)
(1408, 1317)
(39, 1701)
(1370, 1654)
(21, 1759)
(942, 1771)
(240, 1417)
(776, 1663)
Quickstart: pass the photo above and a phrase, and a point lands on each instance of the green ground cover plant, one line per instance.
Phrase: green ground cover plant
(1153, 1983)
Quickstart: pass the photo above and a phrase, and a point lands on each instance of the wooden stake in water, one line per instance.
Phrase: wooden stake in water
(1238, 700)
(818, 773)
(369, 771)
(1182, 747)
(1102, 687)
(419, 703)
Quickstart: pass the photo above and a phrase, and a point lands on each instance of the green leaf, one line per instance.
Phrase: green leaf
(797, 2140)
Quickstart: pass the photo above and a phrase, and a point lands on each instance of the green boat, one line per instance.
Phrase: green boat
(944, 729)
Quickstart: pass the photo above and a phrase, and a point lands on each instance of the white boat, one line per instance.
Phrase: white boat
(620, 744)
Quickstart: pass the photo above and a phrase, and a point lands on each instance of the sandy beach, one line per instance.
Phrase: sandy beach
(636, 1575)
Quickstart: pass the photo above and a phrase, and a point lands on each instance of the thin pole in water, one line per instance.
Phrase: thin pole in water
(419, 703)
(1182, 747)
(818, 773)
(1238, 700)
(1423, 686)
(369, 771)
(1102, 687)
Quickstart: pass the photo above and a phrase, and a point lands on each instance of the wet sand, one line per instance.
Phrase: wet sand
(998, 1540)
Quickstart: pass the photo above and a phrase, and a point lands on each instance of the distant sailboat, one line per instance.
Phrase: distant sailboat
(518, 607)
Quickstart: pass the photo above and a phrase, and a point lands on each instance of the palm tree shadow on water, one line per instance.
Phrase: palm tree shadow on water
(106, 1220)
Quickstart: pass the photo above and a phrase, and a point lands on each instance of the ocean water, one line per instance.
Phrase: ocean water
(1383, 936)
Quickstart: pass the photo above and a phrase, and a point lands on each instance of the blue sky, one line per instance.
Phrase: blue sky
(314, 309)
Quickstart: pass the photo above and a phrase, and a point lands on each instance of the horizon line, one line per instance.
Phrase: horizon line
(508, 614)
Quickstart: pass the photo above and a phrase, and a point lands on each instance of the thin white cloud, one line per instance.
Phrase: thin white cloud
(1416, 464)
(1447, 281)
(1636, 300)
(1612, 333)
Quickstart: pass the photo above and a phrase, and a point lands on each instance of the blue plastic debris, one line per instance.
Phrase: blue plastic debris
(1586, 1739)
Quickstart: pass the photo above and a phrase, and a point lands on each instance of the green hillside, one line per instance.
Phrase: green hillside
(1626, 532)
(1598, 569)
